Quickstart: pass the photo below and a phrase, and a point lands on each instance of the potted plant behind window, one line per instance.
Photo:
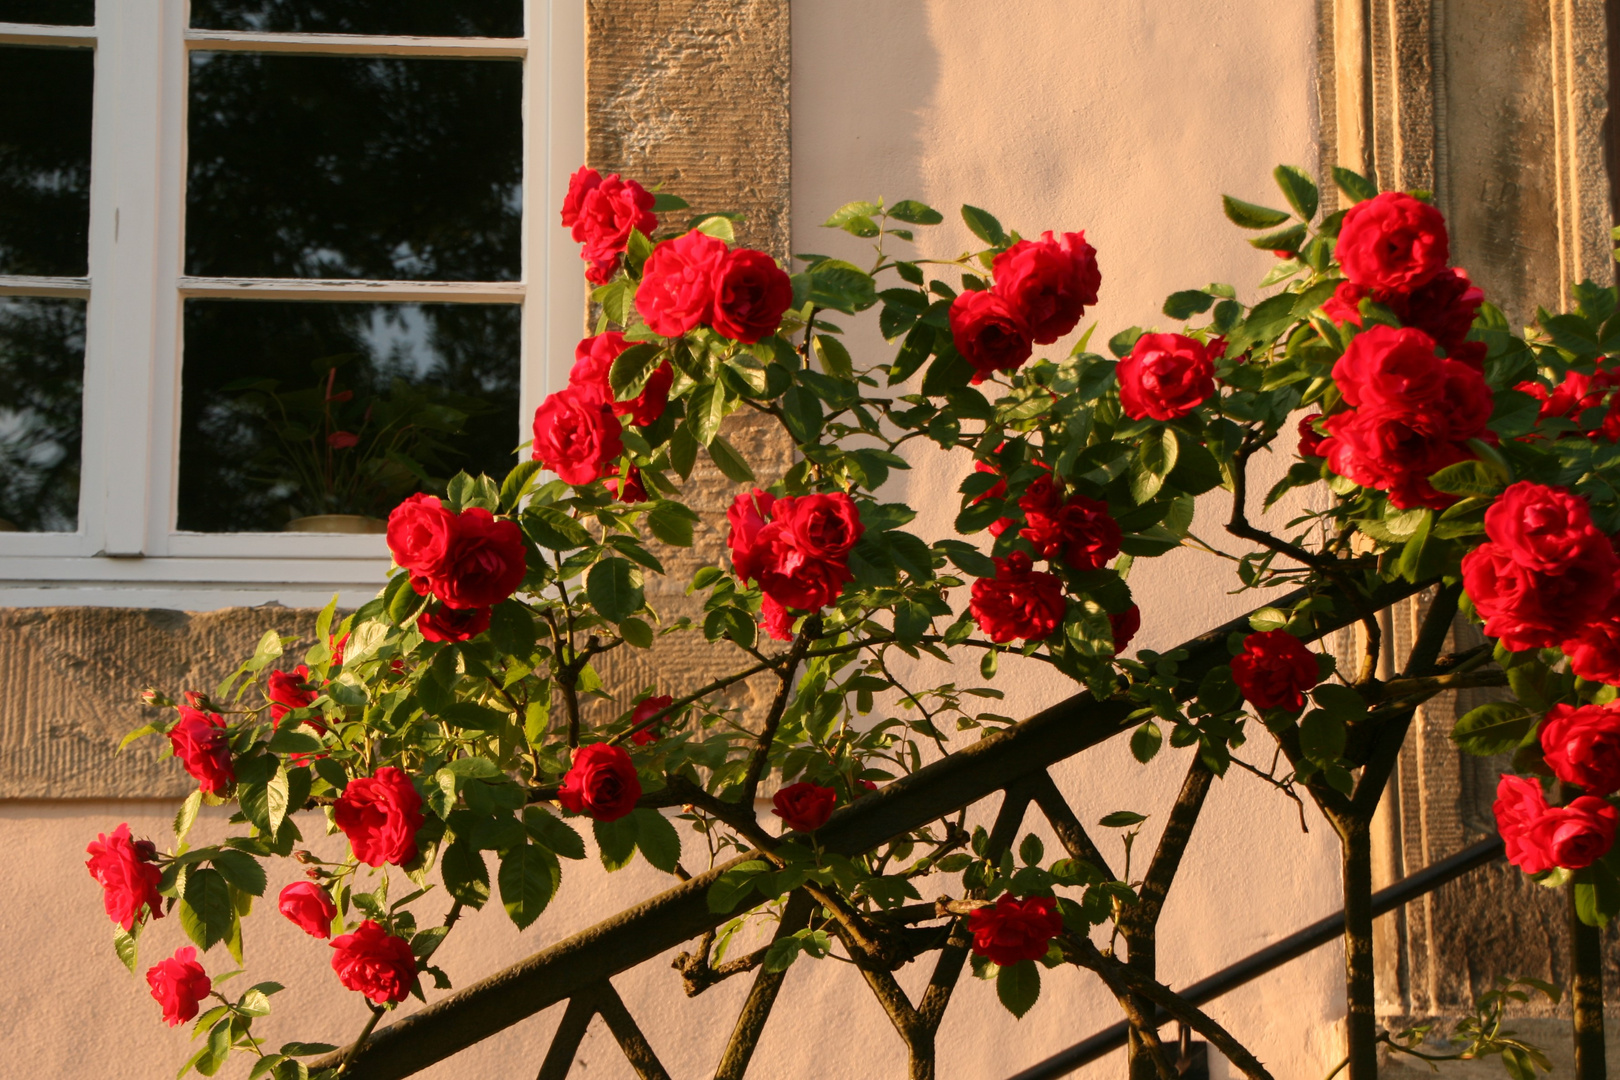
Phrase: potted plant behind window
(340, 459)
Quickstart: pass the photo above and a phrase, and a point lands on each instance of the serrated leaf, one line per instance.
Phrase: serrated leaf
(733, 884)
(127, 946)
(551, 528)
(657, 839)
(1353, 184)
(206, 913)
(612, 590)
(528, 881)
(465, 874)
(984, 225)
(1122, 819)
(616, 841)
(187, 815)
(1019, 987)
(553, 833)
(1248, 215)
(632, 368)
(1494, 728)
(704, 410)
(913, 212)
(1145, 742)
(241, 870)
(1187, 303)
(1298, 188)
(730, 463)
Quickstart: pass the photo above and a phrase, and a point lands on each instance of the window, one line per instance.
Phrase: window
(263, 262)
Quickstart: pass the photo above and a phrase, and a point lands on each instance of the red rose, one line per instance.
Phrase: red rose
(1394, 451)
(776, 619)
(677, 286)
(128, 880)
(1390, 368)
(1522, 817)
(199, 741)
(380, 815)
(989, 333)
(996, 491)
(1545, 528)
(645, 709)
(289, 690)
(1048, 282)
(178, 984)
(343, 440)
(375, 963)
(1082, 532)
(1582, 746)
(791, 576)
(601, 783)
(803, 806)
(1527, 609)
(452, 624)
(748, 516)
(577, 436)
(593, 366)
(750, 295)
(486, 562)
(1018, 602)
(308, 907)
(1392, 241)
(606, 213)
(823, 526)
(1274, 670)
(1310, 439)
(584, 181)
(1444, 309)
(1166, 376)
(627, 486)
(1594, 650)
(1013, 929)
(1582, 832)
(1124, 627)
(1466, 402)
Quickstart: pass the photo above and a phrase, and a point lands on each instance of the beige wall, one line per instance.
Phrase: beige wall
(1125, 119)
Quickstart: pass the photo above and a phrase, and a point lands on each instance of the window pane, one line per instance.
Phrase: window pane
(332, 167)
(41, 387)
(427, 389)
(49, 12)
(45, 160)
(446, 18)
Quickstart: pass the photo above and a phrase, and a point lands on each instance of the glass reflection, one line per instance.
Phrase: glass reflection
(296, 409)
(41, 412)
(45, 160)
(354, 167)
(49, 12)
(445, 18)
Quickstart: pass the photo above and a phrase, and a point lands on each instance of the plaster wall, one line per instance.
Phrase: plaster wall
(1125, 119)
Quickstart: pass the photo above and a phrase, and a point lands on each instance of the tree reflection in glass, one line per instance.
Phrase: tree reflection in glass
(419, 392)
(461, 18)
(42, 373)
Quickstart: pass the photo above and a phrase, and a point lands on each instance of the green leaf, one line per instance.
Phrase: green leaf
(512, 628)
(1031, 851)
(517, 482)
(528, 880)
(663, 203)
(551, 528)
(276, 794)
(1322, 736)
(466, 876)
(833, 357)
(125, 945)
(984, 225)
(1248, 215)
(841, 286)
(671, 523)
(187, 815)
(704, 411)
(1019, 986)
(657, 839)
(1298, 188)
(1353, 184)
(913, 212)
(782, 952)
(612, 589)
(637, 633)
(1467, 478)
(730, 463)
(1145, 742)
(553, 833)
(1187, 303)
(632, 368)
(1492, 729)
(241, 870)
(1122, 819)
(206, 913)
(1155, 457)
(733, 884)
(616, 841)
(715, 225)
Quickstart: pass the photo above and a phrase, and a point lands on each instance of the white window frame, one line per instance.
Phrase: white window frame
(126, 550)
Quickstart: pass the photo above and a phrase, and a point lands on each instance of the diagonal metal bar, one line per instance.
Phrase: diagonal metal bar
(757, 1009)
(628, 1032)
(1273, 956)
(665, 921)
(570, 1033)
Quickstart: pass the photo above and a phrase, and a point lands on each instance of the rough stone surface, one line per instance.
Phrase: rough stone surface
(69, 685)
(693, 95)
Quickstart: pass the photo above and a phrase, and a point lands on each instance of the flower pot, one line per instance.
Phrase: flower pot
(336, 523)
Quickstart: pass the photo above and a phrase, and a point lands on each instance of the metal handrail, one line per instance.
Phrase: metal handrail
(1312, 937)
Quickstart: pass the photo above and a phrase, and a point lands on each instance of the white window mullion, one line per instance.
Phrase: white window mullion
(131, 273)
(554, 146)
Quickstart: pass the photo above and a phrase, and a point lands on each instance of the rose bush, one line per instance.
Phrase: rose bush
(474, 709)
